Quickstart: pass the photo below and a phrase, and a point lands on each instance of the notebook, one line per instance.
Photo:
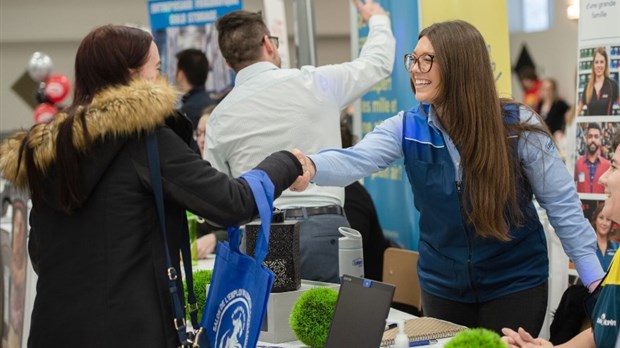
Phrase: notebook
(424, 328)
(361, 310)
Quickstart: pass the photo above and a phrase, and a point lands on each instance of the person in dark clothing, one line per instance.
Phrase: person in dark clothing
(362, 216)
(95, 240)
(552, 108)
(191, 76)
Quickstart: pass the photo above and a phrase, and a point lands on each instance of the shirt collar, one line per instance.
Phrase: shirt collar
(433, 120)
(250, 71)
(597, 161)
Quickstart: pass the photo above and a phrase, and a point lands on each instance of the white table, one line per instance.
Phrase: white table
(393, 316)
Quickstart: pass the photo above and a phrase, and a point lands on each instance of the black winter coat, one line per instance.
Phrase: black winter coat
(102, 278)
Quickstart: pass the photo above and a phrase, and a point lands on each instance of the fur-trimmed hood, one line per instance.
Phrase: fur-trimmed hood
(117, 111)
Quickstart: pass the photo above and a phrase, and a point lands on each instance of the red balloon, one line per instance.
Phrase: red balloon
(44, 112)
(57, 88)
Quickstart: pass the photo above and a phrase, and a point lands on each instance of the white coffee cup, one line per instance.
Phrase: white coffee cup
(350, 253)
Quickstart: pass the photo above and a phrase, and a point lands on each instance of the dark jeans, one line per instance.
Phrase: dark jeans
(524, 309)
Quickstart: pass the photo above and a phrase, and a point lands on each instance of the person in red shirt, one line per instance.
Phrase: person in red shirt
(591, 165)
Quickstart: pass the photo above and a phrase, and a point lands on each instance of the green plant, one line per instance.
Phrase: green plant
(201, 279)
(477, 337)
(312, 315)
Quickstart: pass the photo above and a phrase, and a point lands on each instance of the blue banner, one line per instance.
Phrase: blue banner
(390, 188)
(179, 13)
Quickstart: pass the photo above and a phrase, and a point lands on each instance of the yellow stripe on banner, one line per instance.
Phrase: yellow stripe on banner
(490, 17)
(613, 274)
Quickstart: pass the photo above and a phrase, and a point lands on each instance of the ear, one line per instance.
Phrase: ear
(134, 72)
(180, 75)
(269, 45)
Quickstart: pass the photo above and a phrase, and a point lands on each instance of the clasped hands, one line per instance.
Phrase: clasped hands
(308, 170)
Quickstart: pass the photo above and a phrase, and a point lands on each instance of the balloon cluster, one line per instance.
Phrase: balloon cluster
(53, 88)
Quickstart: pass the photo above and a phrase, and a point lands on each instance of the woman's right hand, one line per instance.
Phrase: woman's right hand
(522, 339)
(309, 171)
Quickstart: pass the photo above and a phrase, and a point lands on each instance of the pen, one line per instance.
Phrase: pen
(422, 343)
(390, 326)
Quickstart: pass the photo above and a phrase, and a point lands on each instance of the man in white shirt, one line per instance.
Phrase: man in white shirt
(272, 109)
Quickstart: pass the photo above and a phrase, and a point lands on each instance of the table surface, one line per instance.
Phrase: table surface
(393, 316)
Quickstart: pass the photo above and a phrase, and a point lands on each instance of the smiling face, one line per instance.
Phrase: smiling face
(427, 85)
(611, 180)
(603, 224)
(593, 140)
(600, 64)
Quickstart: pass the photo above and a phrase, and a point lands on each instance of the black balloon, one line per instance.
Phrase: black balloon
(40, 96)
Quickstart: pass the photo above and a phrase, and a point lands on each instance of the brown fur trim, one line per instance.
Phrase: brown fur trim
(116, 111)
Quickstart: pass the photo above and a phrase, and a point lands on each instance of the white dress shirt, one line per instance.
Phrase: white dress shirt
(272, 109)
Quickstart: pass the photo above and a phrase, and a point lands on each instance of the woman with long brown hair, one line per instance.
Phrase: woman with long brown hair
(601, 92)
(474, 162)
(95, 240)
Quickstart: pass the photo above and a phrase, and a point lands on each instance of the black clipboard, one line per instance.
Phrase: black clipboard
(361, 310)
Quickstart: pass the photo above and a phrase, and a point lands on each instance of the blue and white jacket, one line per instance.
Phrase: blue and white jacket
(455, 263)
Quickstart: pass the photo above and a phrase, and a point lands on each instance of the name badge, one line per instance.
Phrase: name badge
(581, 177)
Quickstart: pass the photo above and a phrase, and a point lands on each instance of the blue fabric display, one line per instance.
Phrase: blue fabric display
(240, 285)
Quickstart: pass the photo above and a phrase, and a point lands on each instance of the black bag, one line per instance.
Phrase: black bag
(186, 338)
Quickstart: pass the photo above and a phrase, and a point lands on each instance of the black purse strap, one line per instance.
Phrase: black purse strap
(177, 307)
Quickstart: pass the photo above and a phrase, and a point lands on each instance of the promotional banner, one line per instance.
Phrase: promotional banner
(180, 24)
(597, 103)
(390, 188)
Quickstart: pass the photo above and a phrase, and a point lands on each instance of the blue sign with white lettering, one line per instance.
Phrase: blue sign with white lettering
(390, 188)
(178, 13)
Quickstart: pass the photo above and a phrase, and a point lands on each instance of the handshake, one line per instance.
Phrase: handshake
(308, 171)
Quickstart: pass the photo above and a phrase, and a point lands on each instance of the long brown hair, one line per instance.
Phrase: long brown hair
(108, 56)
(589, 88)
(594, 217)
(470, 111)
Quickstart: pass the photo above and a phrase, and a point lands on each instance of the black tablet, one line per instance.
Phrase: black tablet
(361, 310)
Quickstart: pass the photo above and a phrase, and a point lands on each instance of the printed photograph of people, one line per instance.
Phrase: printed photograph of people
(598, 83)
(592, 155)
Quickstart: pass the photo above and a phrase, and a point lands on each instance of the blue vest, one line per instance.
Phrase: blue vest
(454, 262)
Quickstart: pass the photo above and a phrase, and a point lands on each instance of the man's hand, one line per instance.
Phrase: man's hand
(205, 245)
(308, 171)
(368, 9)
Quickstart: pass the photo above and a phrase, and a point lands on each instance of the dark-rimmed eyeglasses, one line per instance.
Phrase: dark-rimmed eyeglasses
(425, 62)
(274, 40)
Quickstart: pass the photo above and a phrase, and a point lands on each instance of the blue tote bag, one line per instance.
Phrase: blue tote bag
(240, 285)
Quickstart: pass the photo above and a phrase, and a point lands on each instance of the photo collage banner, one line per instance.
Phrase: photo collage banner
(597, 104)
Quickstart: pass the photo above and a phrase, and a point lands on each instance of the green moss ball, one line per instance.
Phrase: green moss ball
(201, 279)
(477, 337)
(311, 316)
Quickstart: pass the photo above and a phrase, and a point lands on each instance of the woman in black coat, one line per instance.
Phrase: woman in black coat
(95, 240)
